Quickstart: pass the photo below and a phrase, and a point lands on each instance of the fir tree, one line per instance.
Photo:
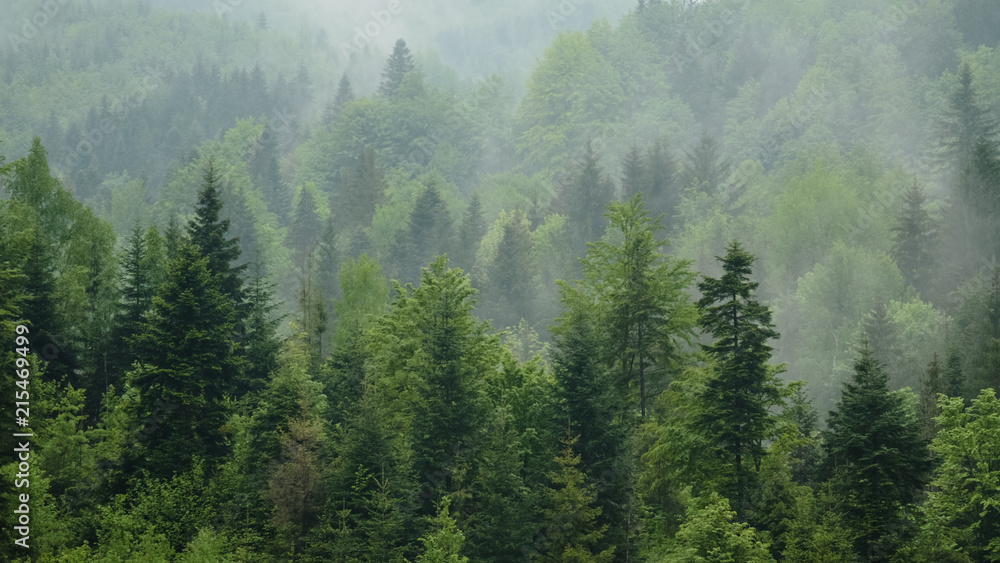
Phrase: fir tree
(965, 122)
(632, 173)
(705, 169)
(189, 368)
(400, 64)
(582, 197)
(470, 233)
(930, 386)
(874, 455)
(208, 233)
(137, 295)
(570, 515)
(444, 543)
(738, 399)
(913, 243)
(344, 94)
(510, 288)
(360, 192)
(266, 175)
(305, 229)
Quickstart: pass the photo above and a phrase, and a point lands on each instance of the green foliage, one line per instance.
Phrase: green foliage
(709, 534)
(444, 543)
(875, 457)
(738, 399)
(961, 517)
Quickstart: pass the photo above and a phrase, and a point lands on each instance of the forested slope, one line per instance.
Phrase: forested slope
(711, 281)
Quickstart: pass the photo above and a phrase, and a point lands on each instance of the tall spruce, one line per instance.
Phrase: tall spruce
(189, 368)
(876, 459)
(345, 93)
(913, 241)
(266, 175)
(470, 233)
(737, 400)
(400, 64)
(705, 169)
(208, 232)
(582, 197)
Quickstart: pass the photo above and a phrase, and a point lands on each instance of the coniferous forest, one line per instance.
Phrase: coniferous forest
(566, 281)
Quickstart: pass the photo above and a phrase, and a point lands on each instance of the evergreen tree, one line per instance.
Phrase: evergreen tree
(930, 386)
(592, 406)
(965, 122)
(305, 229)
(344, 94)
(570, 514)
(207, 232)
(400, 64)
(189, 370)
(429, 233)
(262, 344)
(470, 233)
(954, 379)
(137, 295)
(632, 173)
(582, 197)
(658, 187)
(705, 170)
(913, 244)
(172, 239)
(738, 399)
(875, 457)
(647, 310)
(509, 293)
(266, 175)
(360, 192)
(444, 543)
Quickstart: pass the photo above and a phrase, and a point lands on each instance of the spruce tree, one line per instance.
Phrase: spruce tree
(470, 233)
(658, 186)
(305, 229)
(737, 400)
(965, 122)
(360, 192)
(344, 94)
(429, 233)
(208, 232)
(582, 197)
(189, 370)
(570, 515)
(632, 173)
(266, 175)
(510, 290)
(137, 295)
(875, 457)
(913, 241)
(931, 385)
(646, 311)
(706, 169)
(399, 64)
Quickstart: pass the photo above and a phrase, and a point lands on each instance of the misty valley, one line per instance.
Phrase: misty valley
(664, 281)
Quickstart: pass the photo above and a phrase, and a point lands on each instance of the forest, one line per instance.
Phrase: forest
(638, 281)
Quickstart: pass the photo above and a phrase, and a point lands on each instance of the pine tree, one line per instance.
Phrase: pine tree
(930, 386)
(444, 543)
(172, 239)
(658, 187)
(137, 296)
(208, 233)
(875, 456)
(344, 94)
(705, 169)
(400, 64)
(189, 368)
(470, 233)
(429, 233)
(592, 405)
(632, 173)
(647, 311)
(305, 228)
(266, 175)
(582, 197)
(509, 293)
(360, 192)
(913, 244)
(570, 515)
(738, 399)
(965, 122)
